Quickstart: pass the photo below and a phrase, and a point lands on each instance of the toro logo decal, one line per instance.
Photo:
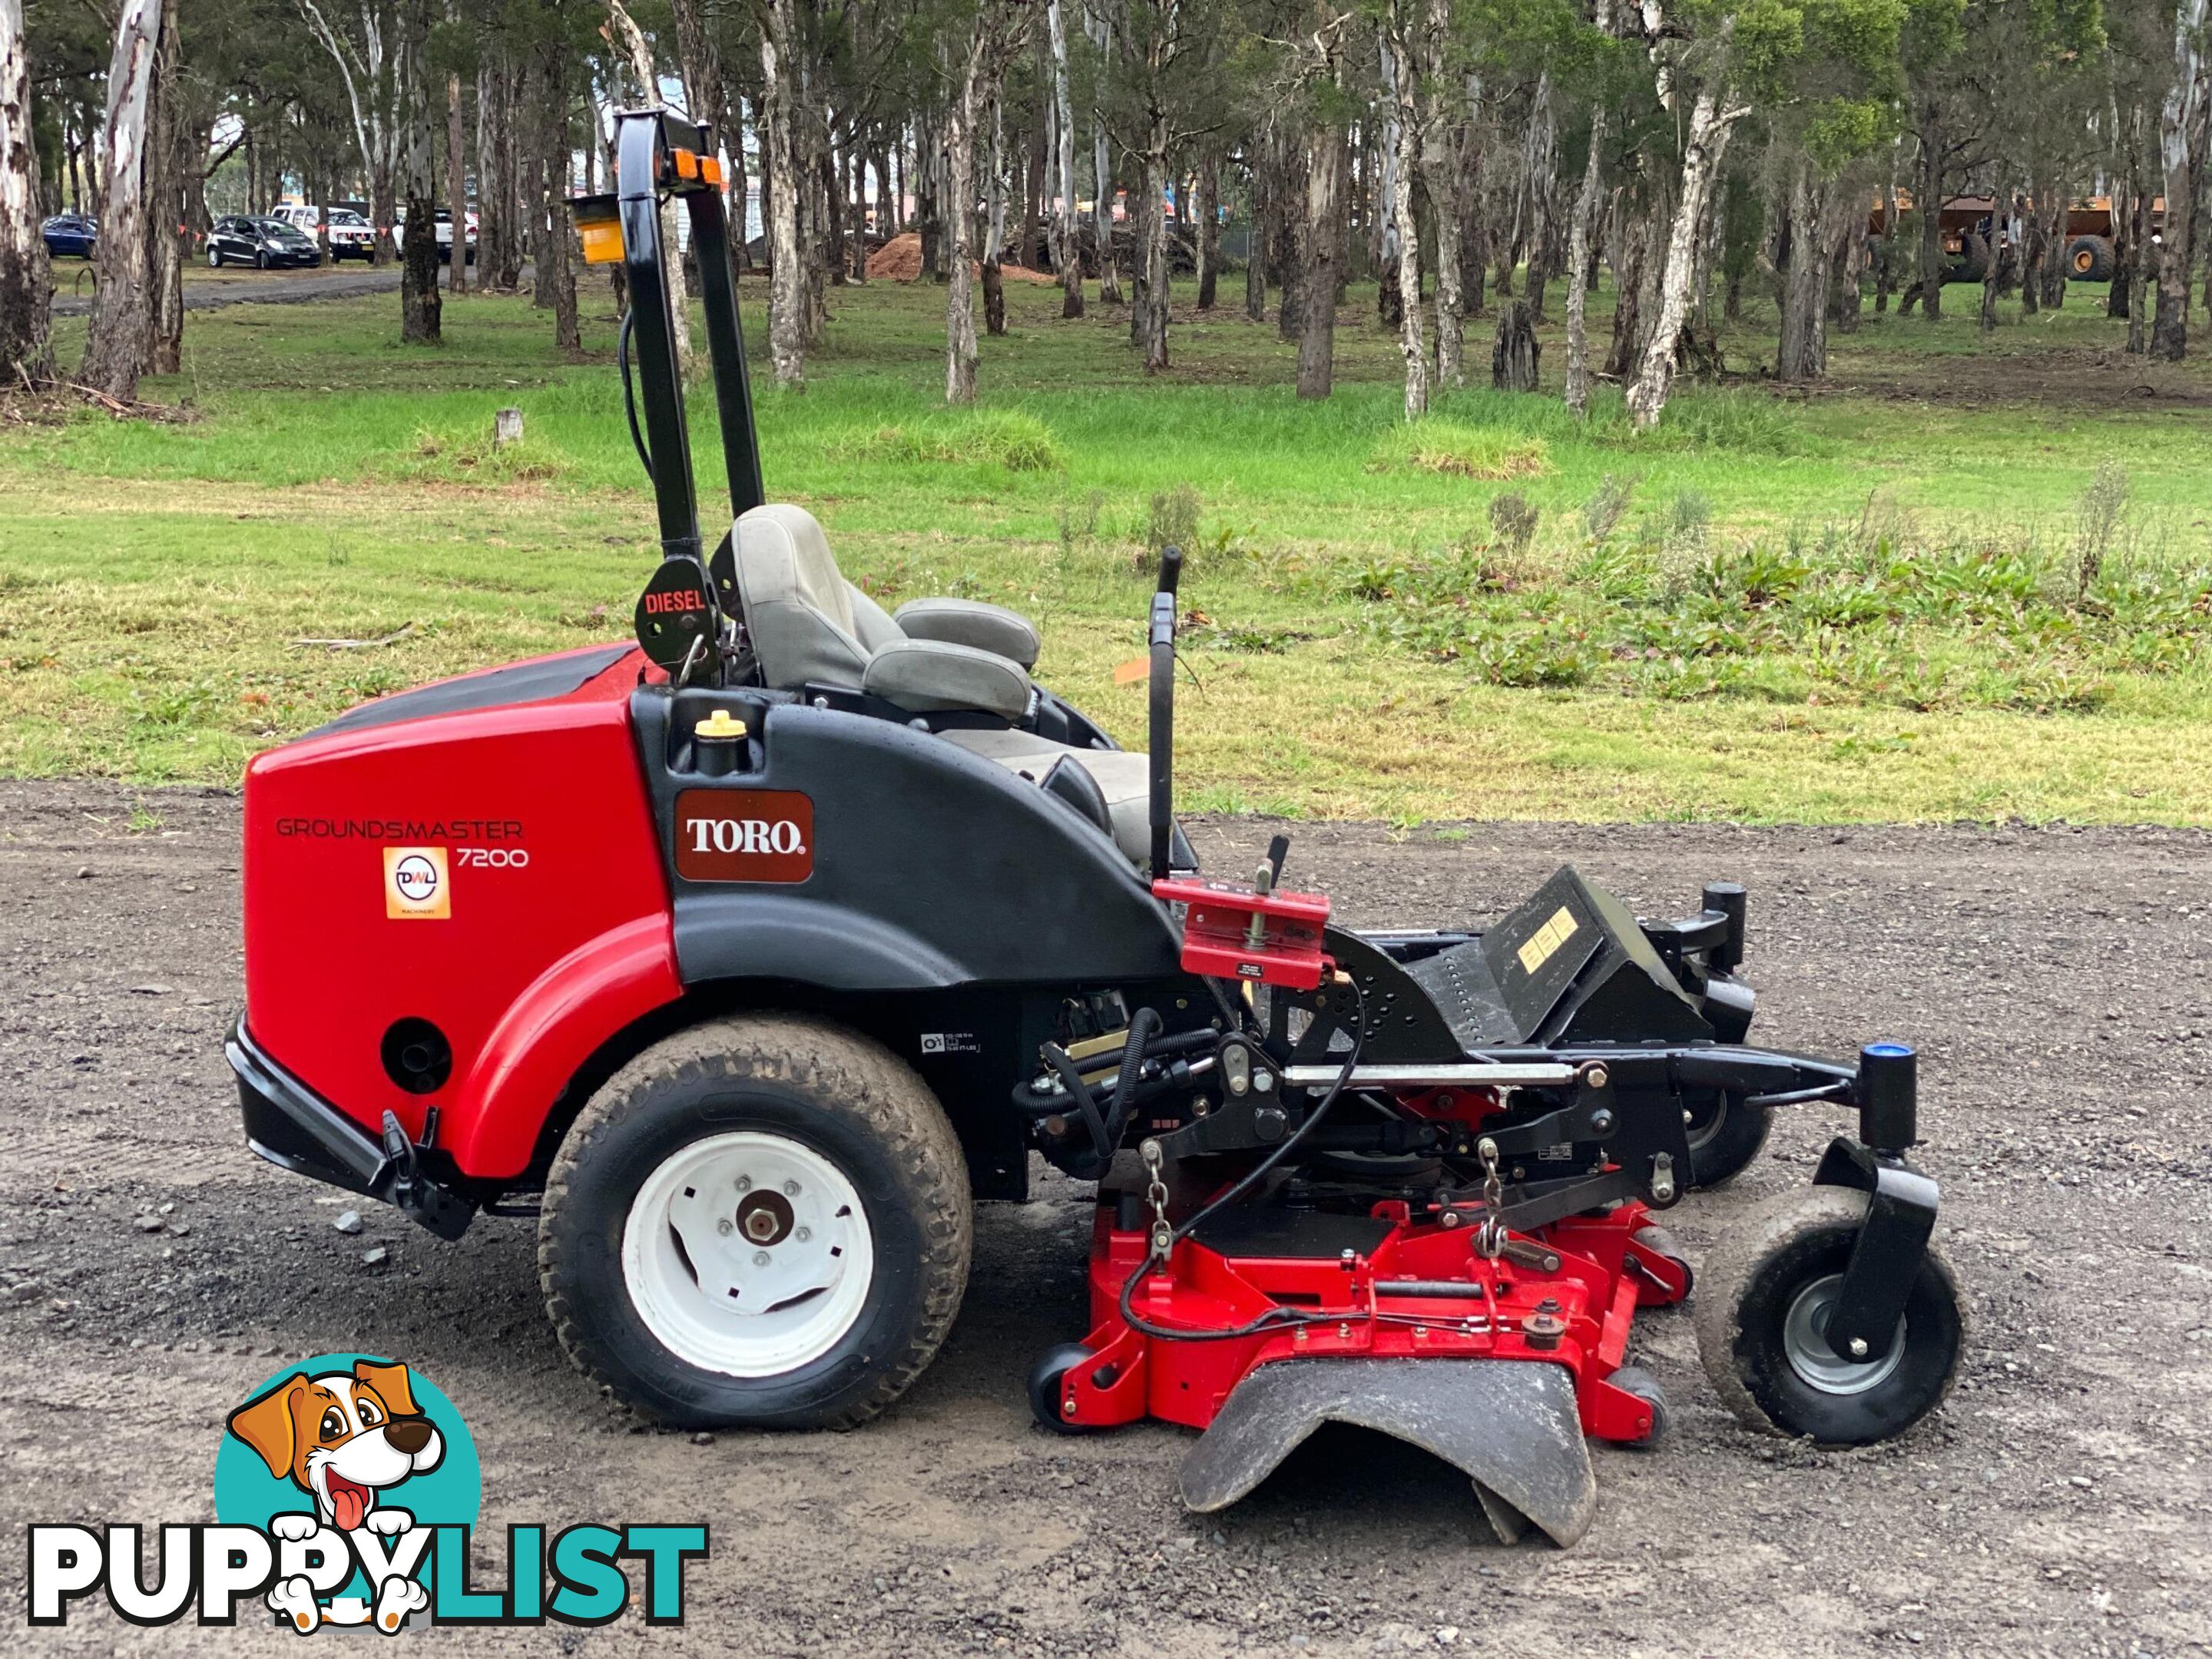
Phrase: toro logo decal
(345, 1491)
(745, 834)
(416, 886)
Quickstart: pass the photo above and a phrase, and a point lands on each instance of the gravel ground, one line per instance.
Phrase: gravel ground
(2059, 984)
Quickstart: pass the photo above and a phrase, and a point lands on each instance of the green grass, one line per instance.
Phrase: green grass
(1862, 603)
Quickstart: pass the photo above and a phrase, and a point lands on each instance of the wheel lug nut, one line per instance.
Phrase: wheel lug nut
(759, 1258)
(745, 1183)
(804, 1234)
(1858, 1347)
(791, 1189)
(726, 1226)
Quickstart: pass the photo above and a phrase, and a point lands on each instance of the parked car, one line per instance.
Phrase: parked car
(259, 240)
(445, 235)
(351, 236)
(71, 234)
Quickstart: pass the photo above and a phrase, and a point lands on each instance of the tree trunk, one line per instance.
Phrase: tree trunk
(457, 184)
(1403, 81)
(1802, 353)
(1321, 241)
(554, 241)
(1102, 166)
(421, 310)
(1706, 144)
(26, 354)
(1581, 239)
(1439, 178)
(121, 331)
(1206, 203)
(960, 192)
(1286, 248)
(1068, 251)
(1149, 312)
(2169, 334)
(2139, 272)
(1473, 247)
(1543, 170)
(1928, 198)
(787, 321)
(1513, 359)
(170, 154)
(994, 231)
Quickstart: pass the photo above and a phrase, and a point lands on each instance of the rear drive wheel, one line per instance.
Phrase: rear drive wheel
(1763, 1308)
(762, 1221)
(261, 262)
(215, 259)
(1724, 1134)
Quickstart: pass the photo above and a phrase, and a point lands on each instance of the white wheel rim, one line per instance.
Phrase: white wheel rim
(748, 1254)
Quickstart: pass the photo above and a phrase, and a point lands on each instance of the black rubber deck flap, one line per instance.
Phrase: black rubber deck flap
(1510, 1425)
(1292, 1235)
(494, 688)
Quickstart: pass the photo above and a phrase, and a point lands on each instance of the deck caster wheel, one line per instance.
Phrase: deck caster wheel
(1048, 1390)
(1658, 1240)
(1634, 1379)
(1769, 1285)
(1724, 1134)
(762, 1221)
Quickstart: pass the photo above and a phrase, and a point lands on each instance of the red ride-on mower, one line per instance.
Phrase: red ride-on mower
(746, 957)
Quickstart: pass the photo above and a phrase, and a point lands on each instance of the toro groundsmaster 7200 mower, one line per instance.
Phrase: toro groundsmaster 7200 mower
(748, 956)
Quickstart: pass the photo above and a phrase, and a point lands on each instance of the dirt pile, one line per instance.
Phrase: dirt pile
(899, 260)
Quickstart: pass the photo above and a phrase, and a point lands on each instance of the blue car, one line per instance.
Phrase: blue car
(71, 234)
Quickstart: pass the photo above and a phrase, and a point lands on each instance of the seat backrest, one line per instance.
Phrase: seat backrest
(797, 607)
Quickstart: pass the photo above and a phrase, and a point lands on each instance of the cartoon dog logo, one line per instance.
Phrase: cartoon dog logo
(345, 1438)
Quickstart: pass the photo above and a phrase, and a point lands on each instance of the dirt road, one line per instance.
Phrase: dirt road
(2060, 984)
(212, 291)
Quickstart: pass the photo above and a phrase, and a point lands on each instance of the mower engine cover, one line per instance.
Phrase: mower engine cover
(454, 892)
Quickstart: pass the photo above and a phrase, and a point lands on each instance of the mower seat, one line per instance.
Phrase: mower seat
(810, 627)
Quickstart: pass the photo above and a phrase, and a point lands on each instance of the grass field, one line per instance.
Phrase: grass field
(1970, 578)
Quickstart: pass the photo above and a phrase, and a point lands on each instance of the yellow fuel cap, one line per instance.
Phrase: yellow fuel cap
(719, 724)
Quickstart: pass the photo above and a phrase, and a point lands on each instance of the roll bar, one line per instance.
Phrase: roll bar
(661, 153)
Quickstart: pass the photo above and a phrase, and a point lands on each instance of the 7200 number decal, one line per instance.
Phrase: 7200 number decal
(494, 858)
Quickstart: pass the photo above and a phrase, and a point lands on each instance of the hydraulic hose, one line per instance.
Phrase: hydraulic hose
(1274, 1318)
(629, 396)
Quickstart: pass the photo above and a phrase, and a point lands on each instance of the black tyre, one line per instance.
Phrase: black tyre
(1634, 1379)
(2089, 259)
(261, 262)
(1725, 1135)
(1046, 1377)
(1761, 1312)
(215, 259)
(1973, 260)
(762, 1221)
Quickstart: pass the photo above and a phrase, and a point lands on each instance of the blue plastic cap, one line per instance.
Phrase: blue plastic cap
(1890, 1050)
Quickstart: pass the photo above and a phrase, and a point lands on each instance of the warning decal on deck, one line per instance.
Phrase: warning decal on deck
(1547, 940)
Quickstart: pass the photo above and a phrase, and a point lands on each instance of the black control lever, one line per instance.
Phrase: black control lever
(1161, 743)
(1278, 850)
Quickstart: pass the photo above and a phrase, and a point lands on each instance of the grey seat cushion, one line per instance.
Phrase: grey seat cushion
(971, 621)
(798, 608)
(928, 674)
(810, 626)
(1125, 779)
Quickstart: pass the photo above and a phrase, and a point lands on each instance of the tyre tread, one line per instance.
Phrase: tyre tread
(806, 1051)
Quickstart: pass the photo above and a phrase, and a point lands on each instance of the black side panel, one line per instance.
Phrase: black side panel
(525, 681)
(930, 867)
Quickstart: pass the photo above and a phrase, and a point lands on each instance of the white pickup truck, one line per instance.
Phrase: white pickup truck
(445, 235)
(351, 236)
